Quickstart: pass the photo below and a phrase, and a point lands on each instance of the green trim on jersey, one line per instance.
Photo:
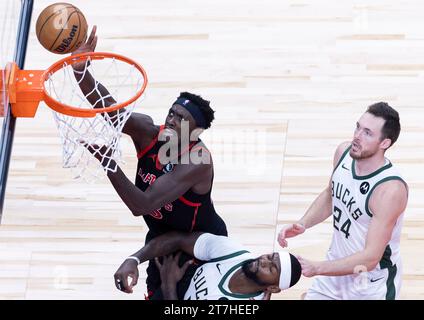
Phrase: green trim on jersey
(342, 157)
(377, 184)
(387, 166)
(231, 294)
(386, 263)
(391, 288)
(229, 256)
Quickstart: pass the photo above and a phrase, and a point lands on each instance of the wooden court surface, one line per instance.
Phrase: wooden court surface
(288, 80)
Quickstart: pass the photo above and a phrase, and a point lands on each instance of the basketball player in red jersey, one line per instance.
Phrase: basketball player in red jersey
(170, 195)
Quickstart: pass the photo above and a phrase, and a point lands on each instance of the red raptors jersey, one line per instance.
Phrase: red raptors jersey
(190, 212)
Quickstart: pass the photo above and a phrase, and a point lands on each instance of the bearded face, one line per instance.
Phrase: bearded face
(367, 139)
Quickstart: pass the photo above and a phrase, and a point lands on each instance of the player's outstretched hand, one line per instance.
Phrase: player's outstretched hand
(289, 231)
(309, 268)
(128, 269)
(88, 46)
(170, 272)
(101, 153)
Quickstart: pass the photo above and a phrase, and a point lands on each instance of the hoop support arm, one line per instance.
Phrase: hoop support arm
(25, 89)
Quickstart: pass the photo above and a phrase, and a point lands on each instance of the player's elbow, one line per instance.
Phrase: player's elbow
(371, 261)
(144, 203)
(135, 209)
(141, 210)
(136, 213)
(371, 265)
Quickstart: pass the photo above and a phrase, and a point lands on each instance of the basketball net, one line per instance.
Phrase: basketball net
(101, 132)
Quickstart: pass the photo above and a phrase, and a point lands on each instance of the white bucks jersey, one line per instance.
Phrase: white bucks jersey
(224, 258)
(351, 213)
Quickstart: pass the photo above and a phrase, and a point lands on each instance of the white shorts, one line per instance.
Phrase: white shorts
(374, 285)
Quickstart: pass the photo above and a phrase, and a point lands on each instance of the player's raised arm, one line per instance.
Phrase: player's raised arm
(94, 91)
(139, 127)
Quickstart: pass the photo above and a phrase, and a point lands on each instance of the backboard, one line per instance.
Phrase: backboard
(9, 10)
(14, 30)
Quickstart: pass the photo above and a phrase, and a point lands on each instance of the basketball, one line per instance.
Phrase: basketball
(61, 28)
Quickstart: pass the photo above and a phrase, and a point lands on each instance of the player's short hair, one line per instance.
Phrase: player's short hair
(290, 270)
(391, 127)
(296, 270)
(204, 106)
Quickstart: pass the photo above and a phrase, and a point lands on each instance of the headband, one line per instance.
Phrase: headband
(194, 111)
(285, 270)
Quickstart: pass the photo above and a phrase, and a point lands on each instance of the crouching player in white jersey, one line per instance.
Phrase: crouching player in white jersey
(367, 198)
(230, 272)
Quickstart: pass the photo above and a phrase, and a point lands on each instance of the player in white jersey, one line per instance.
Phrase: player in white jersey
(367, 197)
(230, 272)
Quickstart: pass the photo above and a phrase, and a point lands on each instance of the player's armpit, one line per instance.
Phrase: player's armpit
(141, 129)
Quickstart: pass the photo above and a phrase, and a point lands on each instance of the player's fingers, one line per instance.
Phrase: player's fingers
(83, 142)
(124, 282)
(282, 234)
(158, 264)
(301, 261)
(89, 147)
(121, 283)
(177, 256)
(134, 280)
(94, 44)
(171, 259)
(92, 34)
(186, 265)
(117, 281)
(282, 242)
(118, 284)
(267, 296)
(93, 148)
(166, 259)
(299, 227)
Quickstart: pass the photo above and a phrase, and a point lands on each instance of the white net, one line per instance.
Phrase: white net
(91, 145)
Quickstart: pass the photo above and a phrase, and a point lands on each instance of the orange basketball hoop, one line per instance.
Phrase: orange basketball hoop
(27, 87)
(92, 95)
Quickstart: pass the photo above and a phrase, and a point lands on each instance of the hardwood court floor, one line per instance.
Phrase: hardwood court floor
(288, 80)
